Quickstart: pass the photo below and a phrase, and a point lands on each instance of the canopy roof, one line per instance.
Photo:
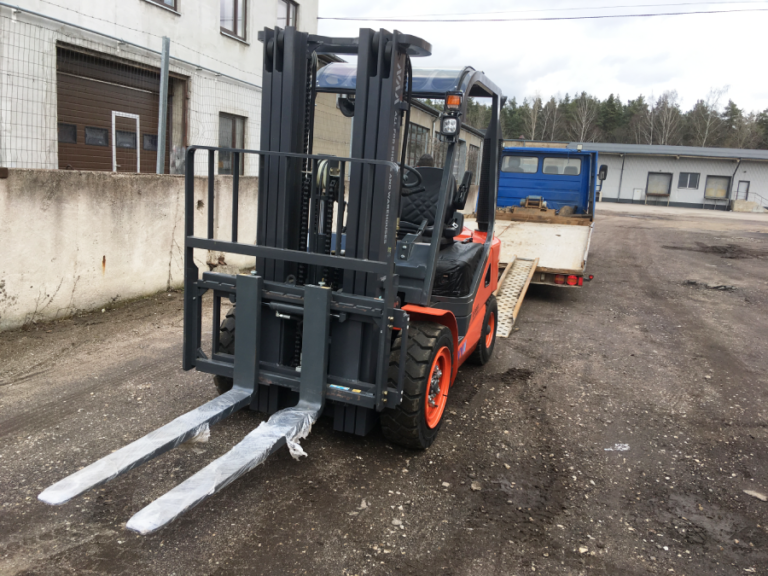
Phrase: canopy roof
(427, 82)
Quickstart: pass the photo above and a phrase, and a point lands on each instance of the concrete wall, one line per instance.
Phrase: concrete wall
(748, 206)
(79, 240)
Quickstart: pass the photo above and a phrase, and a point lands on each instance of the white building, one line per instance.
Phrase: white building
(682, 176)
(80, 81)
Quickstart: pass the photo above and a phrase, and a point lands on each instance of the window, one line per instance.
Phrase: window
(67, 133)
(688, 180)
(231, 135)
(459, 159)
(232, 17)
(562, 166)
(439, 148)
(168, 3)
(286, 13)
(96, 136)
(473, 162)
(520, 164)
(659, 184)
(124, 139)
(149, 142)
(418, 136)
(717, 187)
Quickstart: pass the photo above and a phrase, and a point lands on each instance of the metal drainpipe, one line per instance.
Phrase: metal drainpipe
(733, 180)
(621, 179)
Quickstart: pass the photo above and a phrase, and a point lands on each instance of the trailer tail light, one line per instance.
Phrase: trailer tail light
(572, 280)
(559, 279)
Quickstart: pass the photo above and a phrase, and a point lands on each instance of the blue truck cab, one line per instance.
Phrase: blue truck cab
(545, 211)
(561, 177)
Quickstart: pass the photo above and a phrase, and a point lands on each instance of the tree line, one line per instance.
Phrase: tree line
(711, 122)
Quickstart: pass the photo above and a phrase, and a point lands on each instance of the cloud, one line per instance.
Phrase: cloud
(689, 54)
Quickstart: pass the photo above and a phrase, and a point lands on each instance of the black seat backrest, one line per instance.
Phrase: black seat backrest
(418, 205)
(571, 171)
(551, 170)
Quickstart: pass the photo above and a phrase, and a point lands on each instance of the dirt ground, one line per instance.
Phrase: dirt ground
(613, 433)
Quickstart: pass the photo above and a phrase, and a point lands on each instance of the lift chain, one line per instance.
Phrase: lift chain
(306, 187)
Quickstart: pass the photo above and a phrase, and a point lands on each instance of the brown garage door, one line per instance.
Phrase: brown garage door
(89, 90)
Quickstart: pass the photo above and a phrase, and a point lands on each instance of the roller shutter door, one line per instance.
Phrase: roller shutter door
(89, 89)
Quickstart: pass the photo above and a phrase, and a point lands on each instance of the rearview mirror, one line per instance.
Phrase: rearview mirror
(602, 174)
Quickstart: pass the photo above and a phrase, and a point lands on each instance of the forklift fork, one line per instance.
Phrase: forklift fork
(285, 426)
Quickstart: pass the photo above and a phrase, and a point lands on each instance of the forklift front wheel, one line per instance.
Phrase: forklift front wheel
(484, 349)
(416, 421)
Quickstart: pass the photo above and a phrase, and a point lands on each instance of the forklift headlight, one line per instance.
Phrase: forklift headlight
(449, 126)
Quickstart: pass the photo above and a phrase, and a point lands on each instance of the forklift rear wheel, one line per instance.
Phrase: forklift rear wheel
(227, 346)
(416, 421)
(484, 349)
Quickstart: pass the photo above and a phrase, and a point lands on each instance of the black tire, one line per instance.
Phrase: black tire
(406, 424)
(227, 346)
(483, 352)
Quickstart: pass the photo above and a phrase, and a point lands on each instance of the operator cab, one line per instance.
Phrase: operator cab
(431, 226)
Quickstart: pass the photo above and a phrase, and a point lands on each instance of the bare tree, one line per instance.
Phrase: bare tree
(531, 119)
(705, 117)
(646, 124)
(551, 116)
(668, 118)
(583, 125)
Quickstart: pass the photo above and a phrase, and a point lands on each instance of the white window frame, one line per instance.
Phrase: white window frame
(689, 187)
(116, 114)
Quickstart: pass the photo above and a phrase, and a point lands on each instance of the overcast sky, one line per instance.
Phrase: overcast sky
(625, 56)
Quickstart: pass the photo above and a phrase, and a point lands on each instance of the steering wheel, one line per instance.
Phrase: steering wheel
(408, 172)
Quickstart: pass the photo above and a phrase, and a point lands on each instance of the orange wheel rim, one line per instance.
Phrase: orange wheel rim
(437, 387)
(491, 331)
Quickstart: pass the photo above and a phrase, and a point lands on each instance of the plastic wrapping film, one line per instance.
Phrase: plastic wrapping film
(180, 430)
(285, 426)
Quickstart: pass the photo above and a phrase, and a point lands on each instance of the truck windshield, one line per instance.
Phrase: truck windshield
(563, 166)
(520, 164)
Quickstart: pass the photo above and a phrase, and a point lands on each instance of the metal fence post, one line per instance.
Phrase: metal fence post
(163, 116)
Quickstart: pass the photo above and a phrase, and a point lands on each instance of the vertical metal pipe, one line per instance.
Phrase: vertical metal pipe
(163, 117)
(340, 212)
(621, 179)
(235, 192)
(210, 193)
(314, 206)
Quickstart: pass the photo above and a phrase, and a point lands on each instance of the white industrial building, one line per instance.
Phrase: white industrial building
(682, 176)
(80, 79)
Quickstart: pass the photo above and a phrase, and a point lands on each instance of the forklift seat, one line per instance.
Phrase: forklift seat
(456, 266)
(421, 203)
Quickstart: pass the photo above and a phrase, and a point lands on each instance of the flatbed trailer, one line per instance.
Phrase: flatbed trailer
(545, 215)
(561, 249)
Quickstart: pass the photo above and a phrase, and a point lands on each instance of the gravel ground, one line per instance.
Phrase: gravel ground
(614, 432)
